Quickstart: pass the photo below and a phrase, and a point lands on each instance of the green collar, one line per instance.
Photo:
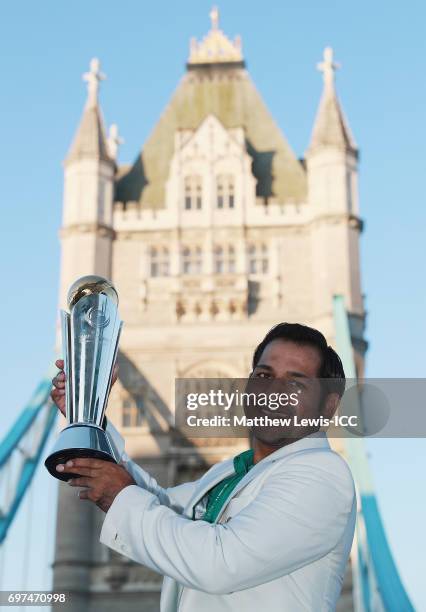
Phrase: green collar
(243, 462)
(221, 491)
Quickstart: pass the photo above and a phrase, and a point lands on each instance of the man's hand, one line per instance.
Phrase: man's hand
(103, 480)
(58, 391)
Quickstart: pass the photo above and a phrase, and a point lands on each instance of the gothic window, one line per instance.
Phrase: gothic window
(224, 259)
(257, 259)
(225, 191)
(191, 260)
(193, 192)
(219, 263)
(159, 261)
(231, 259)
(133, 411)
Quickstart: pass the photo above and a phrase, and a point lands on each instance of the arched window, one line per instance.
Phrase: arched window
(225, 191)
(191, 260)
(133, 414)
(193, 196)
(257, 259)
(159, 261)
(231, 259)
(224, 259)
(219, 263)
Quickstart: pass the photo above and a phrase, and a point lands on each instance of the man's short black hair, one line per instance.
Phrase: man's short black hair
(331, 364)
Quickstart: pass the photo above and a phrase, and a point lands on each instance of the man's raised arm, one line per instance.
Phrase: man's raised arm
(172, 497)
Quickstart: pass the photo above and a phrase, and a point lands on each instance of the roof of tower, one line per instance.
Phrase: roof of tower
(216, 47)
(331, 128)
(90, 139)
(217, 83)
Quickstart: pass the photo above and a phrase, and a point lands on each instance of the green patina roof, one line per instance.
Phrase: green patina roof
(228, 93)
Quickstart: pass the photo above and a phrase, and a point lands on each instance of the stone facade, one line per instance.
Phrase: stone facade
(216, 233)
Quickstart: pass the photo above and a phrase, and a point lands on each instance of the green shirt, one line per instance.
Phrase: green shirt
(220, 493)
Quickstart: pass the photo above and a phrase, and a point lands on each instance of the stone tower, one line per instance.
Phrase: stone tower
(86, 240)
(332, 176)
(215, 233)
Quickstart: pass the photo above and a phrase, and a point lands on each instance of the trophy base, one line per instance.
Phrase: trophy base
(79, 441)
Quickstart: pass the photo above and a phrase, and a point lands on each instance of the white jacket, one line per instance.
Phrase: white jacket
(280, 543)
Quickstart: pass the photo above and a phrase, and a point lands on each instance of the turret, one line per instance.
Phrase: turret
(332, 173)
(87, 232)
(86, 238)
(332, 155)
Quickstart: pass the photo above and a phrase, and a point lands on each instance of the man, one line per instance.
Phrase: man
(268, 530)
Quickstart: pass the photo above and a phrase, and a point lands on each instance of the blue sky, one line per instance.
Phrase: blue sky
(44, 49)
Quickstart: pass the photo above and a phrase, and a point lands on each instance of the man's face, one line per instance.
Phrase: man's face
(294, 369)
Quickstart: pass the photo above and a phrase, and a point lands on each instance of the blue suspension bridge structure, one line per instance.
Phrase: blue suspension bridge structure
(377, 585)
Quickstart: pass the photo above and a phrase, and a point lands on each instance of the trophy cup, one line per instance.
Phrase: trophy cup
(90, 335)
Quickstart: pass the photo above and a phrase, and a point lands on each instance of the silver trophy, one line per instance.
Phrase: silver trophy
(90, 335)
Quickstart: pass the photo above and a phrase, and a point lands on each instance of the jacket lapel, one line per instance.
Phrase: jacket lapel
(247, 478)
(209, 482)
(316, 441)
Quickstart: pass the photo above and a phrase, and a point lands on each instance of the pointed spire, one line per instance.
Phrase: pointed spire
(114, 141)
(216, 47)
(90, 140)
(331, 128)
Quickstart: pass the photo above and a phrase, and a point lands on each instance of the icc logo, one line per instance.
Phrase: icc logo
(96, 318)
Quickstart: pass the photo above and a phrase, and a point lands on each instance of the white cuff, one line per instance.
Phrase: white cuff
(128, 500)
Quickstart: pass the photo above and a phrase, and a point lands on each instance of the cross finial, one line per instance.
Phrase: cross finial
(93, 78)
(114, 141)
(214, 18)
(328, 67)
